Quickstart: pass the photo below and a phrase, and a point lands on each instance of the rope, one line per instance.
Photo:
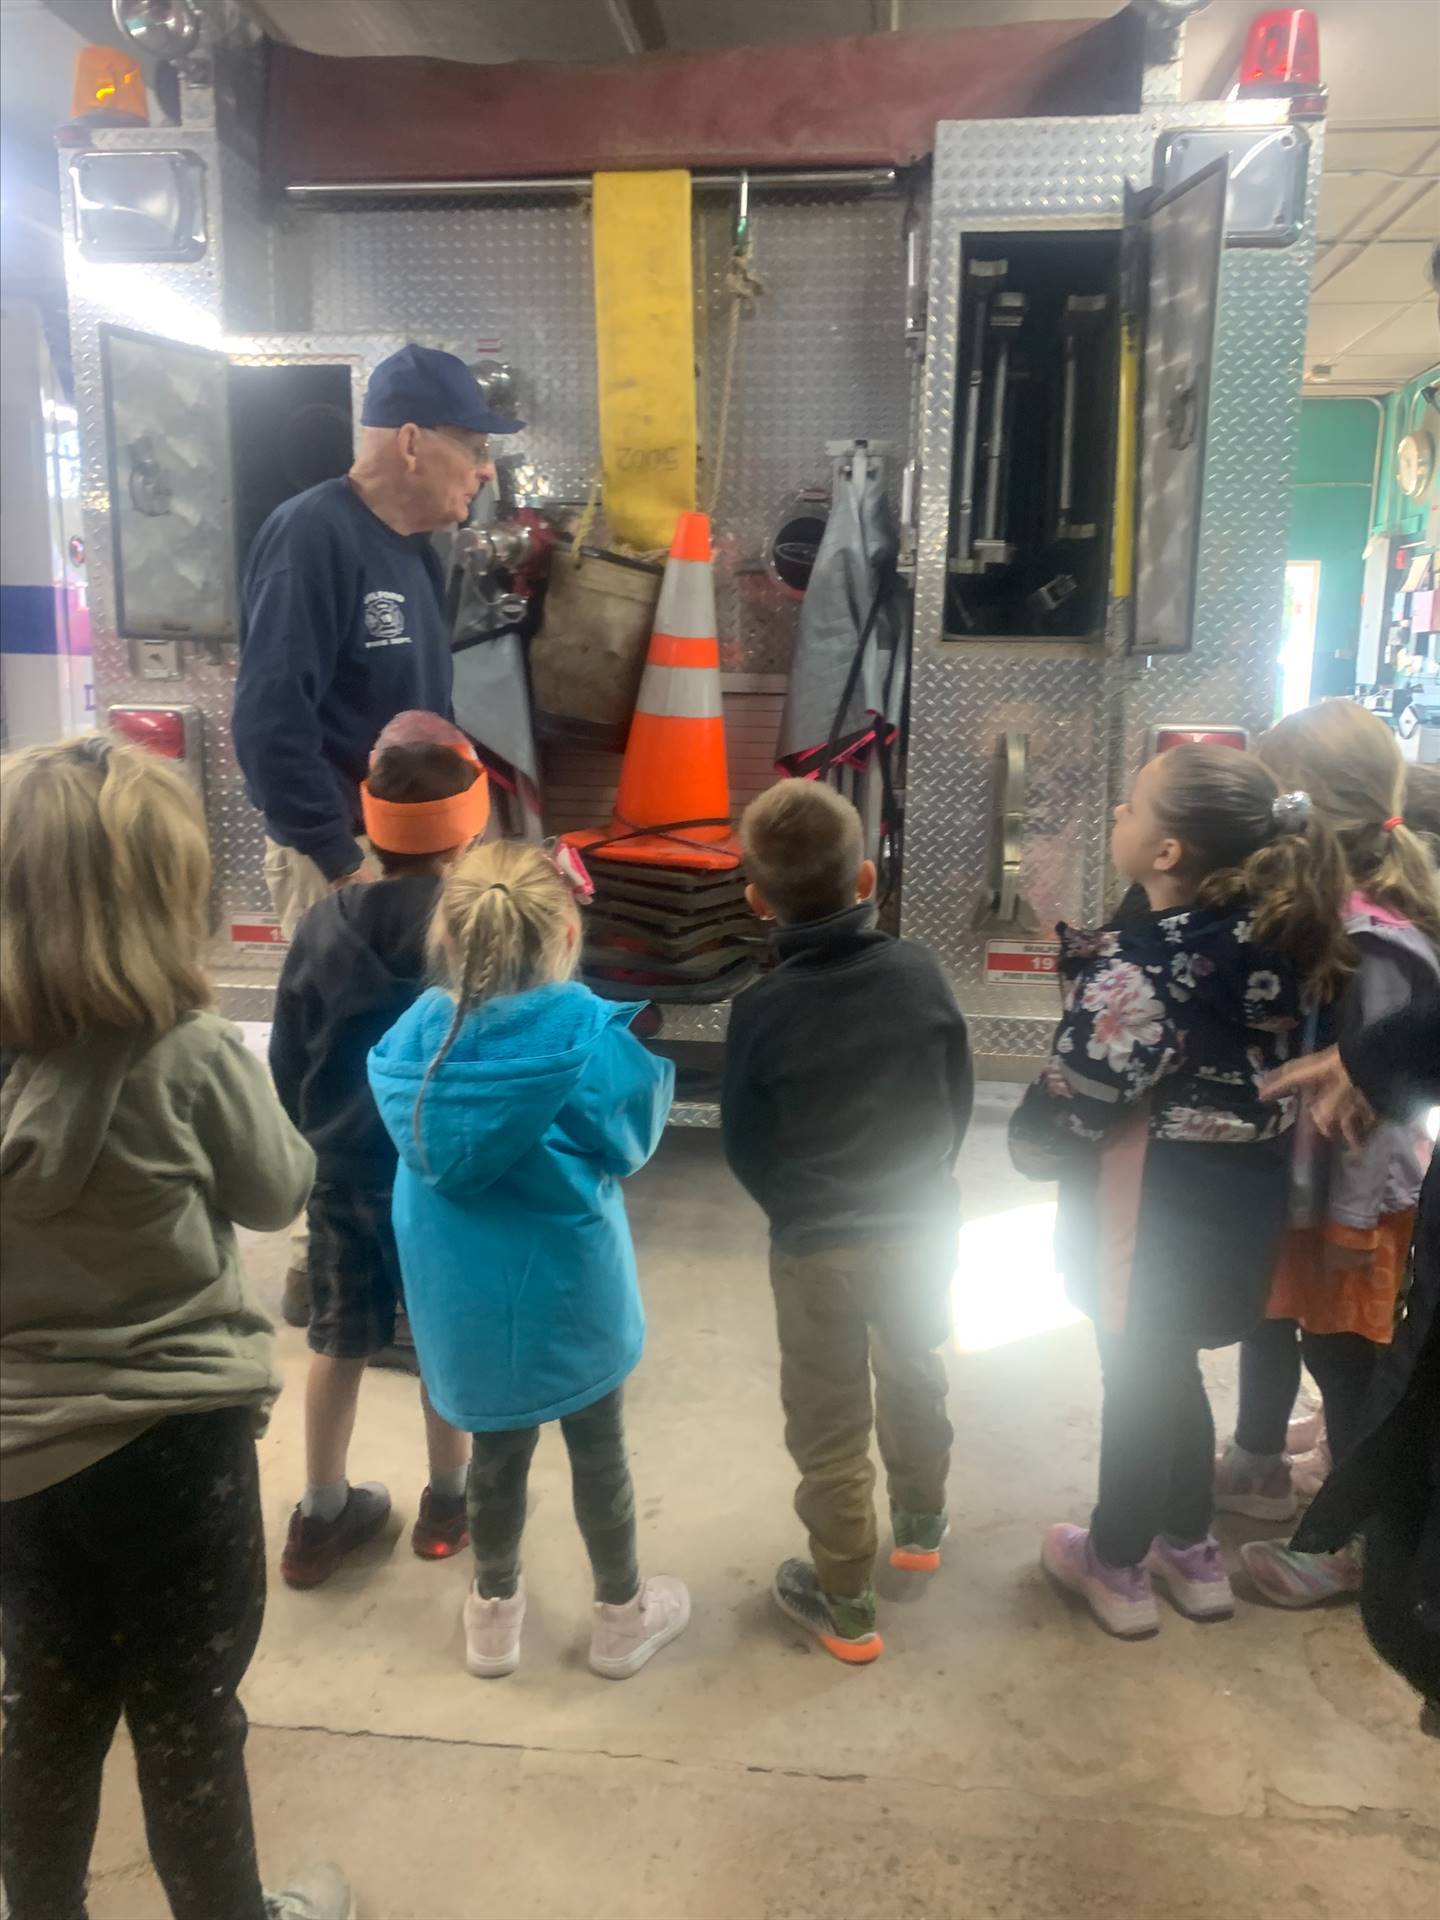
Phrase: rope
(744, 287)
(580, 533)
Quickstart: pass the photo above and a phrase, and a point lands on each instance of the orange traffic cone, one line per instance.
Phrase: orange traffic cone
(673, 804)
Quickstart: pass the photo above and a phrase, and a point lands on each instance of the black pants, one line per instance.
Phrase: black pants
(136, 1587)
(1157, 1447)
(604, 1500)
(1344, 1368)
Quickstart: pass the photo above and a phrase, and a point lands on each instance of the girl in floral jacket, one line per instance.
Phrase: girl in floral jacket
(1173, 1172)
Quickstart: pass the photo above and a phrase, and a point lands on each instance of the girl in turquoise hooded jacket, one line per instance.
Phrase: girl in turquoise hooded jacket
(518, 1100)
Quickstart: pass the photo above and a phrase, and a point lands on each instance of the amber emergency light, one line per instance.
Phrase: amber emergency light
(108, 84)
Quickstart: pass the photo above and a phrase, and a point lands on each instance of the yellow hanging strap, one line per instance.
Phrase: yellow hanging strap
(1122, 546)
(645, 352)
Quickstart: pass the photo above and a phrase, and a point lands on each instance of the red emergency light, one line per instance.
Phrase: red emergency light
(1282, 53)
(171, 732)
(1163, 738)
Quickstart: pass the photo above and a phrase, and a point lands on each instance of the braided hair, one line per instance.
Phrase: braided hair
(505, 922)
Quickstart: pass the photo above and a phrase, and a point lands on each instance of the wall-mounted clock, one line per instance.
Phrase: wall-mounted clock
(1414, 463)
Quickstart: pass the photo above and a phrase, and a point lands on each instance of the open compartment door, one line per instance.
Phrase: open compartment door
(168, 459)
(1182, 236)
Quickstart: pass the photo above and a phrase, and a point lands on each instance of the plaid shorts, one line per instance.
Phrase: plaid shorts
(354, 1271)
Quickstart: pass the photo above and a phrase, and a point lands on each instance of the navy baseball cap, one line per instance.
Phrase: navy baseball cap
(425, 387)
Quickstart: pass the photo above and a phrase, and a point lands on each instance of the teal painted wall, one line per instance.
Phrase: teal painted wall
(1330, 522)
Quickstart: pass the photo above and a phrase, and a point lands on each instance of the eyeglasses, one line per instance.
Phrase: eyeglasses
(476, 446)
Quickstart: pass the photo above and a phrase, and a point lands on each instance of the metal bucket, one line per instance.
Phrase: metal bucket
(587, 658)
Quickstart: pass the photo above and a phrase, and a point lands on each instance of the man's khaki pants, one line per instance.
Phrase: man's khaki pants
(843, 1314)
(295, 884)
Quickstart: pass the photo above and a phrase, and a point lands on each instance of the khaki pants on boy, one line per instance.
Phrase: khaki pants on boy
(295, 883)
(880, 1308)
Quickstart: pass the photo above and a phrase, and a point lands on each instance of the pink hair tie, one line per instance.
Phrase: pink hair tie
(1395, 820)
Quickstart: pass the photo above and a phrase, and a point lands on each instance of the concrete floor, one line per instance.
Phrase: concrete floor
(1003, 1760)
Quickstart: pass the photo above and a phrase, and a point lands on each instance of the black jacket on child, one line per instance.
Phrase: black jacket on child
(1174, 1174)
(848, 1086)
(1389, 1485)
(357, 962)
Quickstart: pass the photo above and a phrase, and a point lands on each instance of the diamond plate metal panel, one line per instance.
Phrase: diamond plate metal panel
(1087, 717)
(509, 281)
(821, 357)
(994, 1038)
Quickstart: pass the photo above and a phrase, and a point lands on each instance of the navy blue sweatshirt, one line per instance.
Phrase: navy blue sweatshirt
(357, 962)
(848, 1086)
(342, 626)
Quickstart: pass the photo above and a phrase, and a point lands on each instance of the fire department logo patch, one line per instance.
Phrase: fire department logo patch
(385, 619)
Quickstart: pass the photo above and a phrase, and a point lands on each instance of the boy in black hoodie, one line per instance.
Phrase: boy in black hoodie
(357, 962)
(848, 1089)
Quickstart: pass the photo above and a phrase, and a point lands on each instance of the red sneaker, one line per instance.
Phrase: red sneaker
(442, 1529)
(314, 1548)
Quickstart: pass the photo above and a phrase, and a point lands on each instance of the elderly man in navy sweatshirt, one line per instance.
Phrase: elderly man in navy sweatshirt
(342, 621)
(342, 626)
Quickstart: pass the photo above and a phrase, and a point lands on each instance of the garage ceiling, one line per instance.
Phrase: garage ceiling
(1373, 318)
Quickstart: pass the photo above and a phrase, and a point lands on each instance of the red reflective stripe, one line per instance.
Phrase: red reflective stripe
(667, 650)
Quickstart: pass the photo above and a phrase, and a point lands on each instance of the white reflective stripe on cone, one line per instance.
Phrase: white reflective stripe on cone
(686, 609)
(680, 693)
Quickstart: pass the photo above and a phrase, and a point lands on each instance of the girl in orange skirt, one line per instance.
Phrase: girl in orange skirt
(1342, 1264)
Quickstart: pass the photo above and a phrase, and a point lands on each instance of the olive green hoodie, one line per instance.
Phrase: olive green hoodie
(124, 1161)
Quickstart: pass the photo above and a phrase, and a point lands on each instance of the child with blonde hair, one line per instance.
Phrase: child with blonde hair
(135, 1131)
(518, 1100)
(1342, 1263)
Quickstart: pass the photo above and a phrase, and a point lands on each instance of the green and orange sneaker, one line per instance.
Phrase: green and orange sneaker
(918, 1540)
(844, 1627)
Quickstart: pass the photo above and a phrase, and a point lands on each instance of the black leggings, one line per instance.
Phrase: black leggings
(604, 1500)
(135, 1587)
(1343, 1365)
(1157, 1447)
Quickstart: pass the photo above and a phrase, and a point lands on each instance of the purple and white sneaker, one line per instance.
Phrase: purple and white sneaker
(1194, 1577)
(1121, 1599)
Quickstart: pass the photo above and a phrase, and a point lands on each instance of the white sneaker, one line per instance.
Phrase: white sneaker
(1256, 1485)
(624, 1638)
(321, 1894)
(1310, 1471)
(492, 1634)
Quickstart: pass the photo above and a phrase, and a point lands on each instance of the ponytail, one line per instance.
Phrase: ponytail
(1297, 887)
(1348, 759)
(1250, 843)
(501, 926)
(1404, 880)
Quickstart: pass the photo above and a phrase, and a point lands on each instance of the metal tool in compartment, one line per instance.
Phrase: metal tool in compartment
(1082, 342)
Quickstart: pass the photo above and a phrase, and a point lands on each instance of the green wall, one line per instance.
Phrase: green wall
(1330, 522)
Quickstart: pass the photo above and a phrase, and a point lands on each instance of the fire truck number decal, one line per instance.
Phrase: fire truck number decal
(1033, 961)
(260, 930)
